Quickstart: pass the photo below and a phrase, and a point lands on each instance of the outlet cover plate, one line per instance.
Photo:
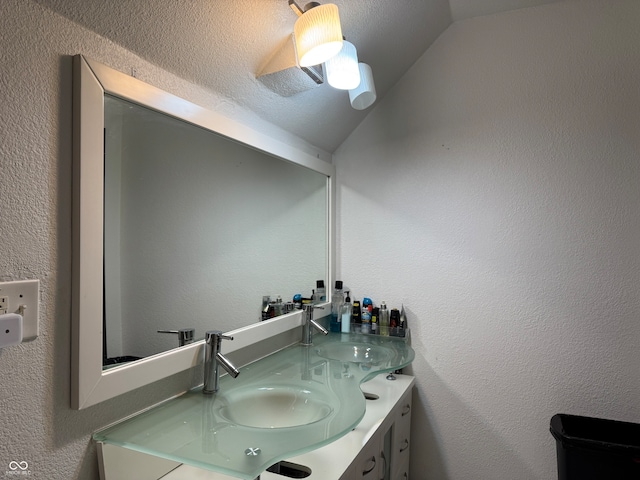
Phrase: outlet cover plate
(23, 298)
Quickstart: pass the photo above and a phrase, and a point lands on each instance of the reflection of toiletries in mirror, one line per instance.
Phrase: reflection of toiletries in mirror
(266, 299)
(297, 301)
(337, 299)
(278, 306)
(347, 309)
(384, 319)
(320, 293)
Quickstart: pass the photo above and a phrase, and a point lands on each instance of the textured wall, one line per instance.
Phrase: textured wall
(495, 192)
(36, 423)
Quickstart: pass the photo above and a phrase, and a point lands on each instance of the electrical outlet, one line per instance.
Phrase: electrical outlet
(3, 305)
(22, 297)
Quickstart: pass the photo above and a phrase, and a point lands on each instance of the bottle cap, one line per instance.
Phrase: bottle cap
(320, 284)
(366, 301)
(339, 284)
(348, 298)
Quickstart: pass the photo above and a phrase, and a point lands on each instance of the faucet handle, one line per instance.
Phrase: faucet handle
(218, 335)
(310, 307)
(185, 335)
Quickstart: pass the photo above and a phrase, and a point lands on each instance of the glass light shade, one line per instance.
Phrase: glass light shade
(364, 94)
(318, 35)
(342, 70)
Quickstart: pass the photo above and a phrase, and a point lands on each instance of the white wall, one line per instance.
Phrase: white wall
(36, 422)
(496, 193)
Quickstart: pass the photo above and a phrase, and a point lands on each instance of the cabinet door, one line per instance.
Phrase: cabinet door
(401, 471)
(402, 438)
(368, 464)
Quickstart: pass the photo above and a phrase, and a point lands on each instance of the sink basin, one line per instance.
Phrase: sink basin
(356, 353)
(288, 403)
(274, 407)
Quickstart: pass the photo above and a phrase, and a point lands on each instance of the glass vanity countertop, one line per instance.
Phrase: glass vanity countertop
(288, 403)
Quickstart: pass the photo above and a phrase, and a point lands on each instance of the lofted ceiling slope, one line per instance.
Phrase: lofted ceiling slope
(223, 44)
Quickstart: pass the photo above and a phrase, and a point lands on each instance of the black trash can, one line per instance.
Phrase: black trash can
(595, 448)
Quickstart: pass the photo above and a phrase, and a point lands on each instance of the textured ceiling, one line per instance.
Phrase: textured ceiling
(223, 44)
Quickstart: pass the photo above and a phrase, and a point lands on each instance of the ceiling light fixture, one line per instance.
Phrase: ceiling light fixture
(342, 69)
(320, 51)
(317, 32)
(364, 94)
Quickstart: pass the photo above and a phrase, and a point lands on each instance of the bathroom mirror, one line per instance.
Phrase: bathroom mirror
(182, 219)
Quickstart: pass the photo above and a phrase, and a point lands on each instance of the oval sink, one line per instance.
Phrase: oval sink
(356, 353)
(274, 407)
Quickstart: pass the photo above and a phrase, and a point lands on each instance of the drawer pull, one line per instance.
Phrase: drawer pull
(406, 410)
(372, 462)
(405, 445)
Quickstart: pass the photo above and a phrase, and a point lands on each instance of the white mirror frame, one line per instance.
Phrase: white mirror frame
(90, 384)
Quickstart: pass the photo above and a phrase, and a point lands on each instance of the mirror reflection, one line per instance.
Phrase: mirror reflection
(198, 228)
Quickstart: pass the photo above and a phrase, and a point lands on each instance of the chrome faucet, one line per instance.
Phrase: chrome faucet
(308, 322)
(213, 359)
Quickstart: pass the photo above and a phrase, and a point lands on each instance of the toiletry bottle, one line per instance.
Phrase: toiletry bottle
(337, 299)
(384, 320)
(366, 320)
(266, 299)
(375, 315)
(320, 294)
(394, 321)
(366, 301)
(356, 318)
(347, 309)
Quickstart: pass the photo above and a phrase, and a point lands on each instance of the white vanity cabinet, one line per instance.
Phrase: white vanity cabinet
(385, 456)
(377, 448)
(401, 446)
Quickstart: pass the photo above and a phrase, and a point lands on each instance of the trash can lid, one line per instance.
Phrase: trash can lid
(611, 436)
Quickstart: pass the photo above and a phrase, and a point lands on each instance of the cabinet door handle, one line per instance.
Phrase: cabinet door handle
(405, 445)
(406, 409)
(405, 476)
(371, 461)
(384, 465)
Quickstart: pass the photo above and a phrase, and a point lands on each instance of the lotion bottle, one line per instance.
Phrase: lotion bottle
(347, 308)
(337, 299)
